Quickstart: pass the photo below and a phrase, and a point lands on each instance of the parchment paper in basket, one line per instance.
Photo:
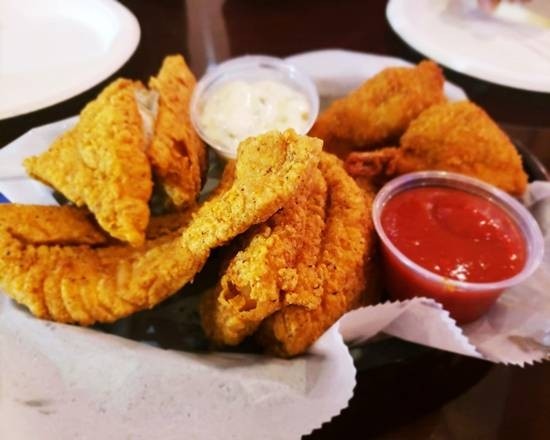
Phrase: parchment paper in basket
(515, 331)
(63, 382)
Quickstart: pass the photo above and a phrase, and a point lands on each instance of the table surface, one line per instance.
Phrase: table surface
(429, 393)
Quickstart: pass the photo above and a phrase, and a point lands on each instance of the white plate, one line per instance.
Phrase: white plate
(51, 50)
(510, 47)
(336, 72)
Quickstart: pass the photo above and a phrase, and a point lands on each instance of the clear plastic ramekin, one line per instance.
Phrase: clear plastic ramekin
(251, 68)
(466, 301)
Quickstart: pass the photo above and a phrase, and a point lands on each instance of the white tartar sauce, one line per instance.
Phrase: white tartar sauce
(239, 109)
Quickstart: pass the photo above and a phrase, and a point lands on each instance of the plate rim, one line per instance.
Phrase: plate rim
(404, 30)
(452, 90)
(125, 44)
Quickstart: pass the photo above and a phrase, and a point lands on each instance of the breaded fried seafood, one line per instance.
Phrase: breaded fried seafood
(292, 277)
(83, 284)
(101, 163)
(458, 137)
(343, 263)
(69, 225)
(51, 225)
(177, 154)
(262, 274)
(123, 139)
(381, 109)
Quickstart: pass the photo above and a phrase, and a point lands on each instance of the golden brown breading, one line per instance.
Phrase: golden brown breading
(373, 168)
(86, 285)
(51, 225)
(381, 109)
(457, 137)
(101, 163)
(347, 248)
(262, 275)
(165, 224)
(69, 225)
(177, 154)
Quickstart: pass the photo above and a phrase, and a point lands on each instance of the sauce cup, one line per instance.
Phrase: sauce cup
(465, 301)
(250, 69)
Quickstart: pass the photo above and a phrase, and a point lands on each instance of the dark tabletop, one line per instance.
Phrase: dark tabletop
(403, 391)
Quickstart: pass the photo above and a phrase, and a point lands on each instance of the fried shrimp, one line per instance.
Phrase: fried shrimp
(84, 285)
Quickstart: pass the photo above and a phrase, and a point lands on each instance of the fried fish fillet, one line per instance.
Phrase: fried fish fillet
(69, 225)
(101, 163)
(295, 275)
(381, 109)
(458, 137)
(261, 276)
(166, 224)
(80, 284)
(50, 225)
(346, 253)
(177, 154)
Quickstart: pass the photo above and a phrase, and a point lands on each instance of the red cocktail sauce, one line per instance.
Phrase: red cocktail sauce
(455, 234)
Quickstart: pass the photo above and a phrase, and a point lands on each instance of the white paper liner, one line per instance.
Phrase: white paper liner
(59, 380)
(64, 382)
